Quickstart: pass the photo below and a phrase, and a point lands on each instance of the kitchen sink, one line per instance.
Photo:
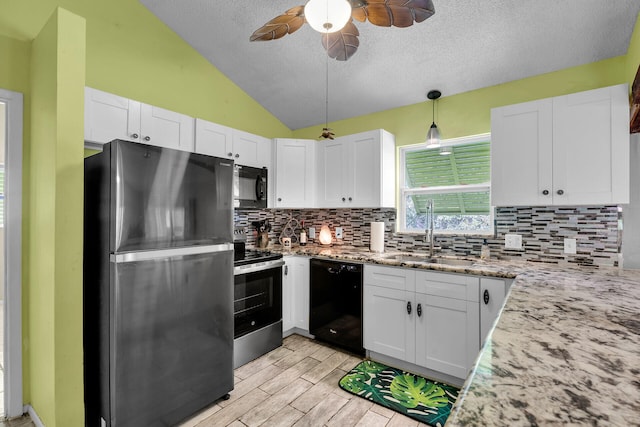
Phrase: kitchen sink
(427, 260)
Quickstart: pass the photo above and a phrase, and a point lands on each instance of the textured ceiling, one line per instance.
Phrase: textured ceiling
(466, 45)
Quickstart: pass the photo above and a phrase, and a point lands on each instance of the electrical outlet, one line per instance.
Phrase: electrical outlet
(312, 232)
(512, 241)
(338, 232)
(569, 246)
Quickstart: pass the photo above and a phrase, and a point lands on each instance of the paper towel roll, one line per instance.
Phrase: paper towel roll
(377, 237)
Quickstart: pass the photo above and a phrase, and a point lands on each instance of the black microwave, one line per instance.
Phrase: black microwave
(250, 187)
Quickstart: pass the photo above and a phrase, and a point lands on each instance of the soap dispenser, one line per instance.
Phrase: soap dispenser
(485, 252)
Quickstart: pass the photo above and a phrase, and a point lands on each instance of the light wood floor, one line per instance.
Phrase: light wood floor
(297, 385)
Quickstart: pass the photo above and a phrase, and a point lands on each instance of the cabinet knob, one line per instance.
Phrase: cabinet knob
(350, 199)
(134, 135)
(545, 192)
(279, 199)
(419, 310)
(230, 154)
(237, 155)
(485, 296)
(343, 199)
(286, 270)
(408, 307)
(560, 192)
(147, 138)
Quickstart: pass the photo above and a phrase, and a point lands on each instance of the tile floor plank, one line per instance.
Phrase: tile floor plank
(286, 417)
(322, 412)
(275, 403)
(325, 367)
(372, 419)
(251, 383)
(235, 410)
(350, 414)
(262, 362)
(399, 420)
(285, 378)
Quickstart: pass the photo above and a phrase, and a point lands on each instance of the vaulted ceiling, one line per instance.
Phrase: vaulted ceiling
(466, 45)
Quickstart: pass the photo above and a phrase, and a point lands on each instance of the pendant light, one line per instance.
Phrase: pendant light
(327, 16)
(433, 136)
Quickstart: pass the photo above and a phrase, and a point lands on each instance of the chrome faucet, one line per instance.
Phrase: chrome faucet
(428, 232)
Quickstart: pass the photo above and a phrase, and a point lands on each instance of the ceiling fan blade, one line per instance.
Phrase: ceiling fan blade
(358, 11)
(396, 13)
(281, 25)
(342, 44)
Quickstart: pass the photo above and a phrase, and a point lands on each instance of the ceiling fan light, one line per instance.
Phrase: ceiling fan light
(433, 136)
(327, 16)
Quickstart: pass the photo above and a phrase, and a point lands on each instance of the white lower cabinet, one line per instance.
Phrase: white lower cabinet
(295, 294)
(389, 311)
(425, 318)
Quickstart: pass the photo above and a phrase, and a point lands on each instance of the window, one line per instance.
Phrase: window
(458, 183)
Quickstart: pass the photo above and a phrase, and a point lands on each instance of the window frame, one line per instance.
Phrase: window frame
(470, 188)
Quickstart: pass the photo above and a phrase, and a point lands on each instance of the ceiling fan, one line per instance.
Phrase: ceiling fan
(342, 42)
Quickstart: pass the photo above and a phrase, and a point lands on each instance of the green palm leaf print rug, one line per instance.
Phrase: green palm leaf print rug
(422, 399)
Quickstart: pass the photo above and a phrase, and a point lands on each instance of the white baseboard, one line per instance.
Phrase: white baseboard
(34, 416)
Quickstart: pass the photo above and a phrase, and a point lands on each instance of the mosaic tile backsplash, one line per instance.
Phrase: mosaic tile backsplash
(543, 229)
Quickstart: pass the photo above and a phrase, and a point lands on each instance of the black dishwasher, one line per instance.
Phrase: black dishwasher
(336, 304)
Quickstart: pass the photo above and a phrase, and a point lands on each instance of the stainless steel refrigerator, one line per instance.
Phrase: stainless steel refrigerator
(158, 284)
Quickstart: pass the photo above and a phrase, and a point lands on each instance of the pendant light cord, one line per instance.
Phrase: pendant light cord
(326, 109)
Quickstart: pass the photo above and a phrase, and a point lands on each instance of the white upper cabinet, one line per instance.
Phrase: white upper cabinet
(357, 171)
(295, 173)
(221, 141)
(566, 150)
(109, 116)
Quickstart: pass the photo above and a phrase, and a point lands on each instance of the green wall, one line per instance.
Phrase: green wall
(469, 113)
(56, 198)
(633, 55)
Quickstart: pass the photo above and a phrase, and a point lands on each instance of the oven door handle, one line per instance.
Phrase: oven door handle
(259, 266)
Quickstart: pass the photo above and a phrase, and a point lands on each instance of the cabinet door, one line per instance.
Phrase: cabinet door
(164, 128)
(287, 294)
(301, 292)
(521, 154)
(363, 171)
(251, 150)
(295, 173)
(591, 147)
(447, 334)
(332, 165)
(492, 294)
(213, 139)
(388, 321)
(108, 117)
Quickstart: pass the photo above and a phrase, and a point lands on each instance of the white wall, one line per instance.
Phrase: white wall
(631, 213)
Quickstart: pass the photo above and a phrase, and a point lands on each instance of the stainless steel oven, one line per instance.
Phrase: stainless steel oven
(257, 304)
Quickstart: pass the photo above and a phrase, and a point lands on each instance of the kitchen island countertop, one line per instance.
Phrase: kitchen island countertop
(565, 349)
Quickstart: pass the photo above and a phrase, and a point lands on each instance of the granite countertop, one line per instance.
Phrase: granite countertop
(565, 349)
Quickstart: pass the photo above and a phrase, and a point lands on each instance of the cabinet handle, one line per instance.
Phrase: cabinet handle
(237, 155)
(279, 199)
(230, 154)
(485, 296)
(286, 270)
(134, 135)
(408, 307)
(545, 192)
(147, 138)
(560, 192)
(419, 310)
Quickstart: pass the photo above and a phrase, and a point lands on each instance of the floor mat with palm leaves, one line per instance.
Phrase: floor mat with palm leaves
(422, 399)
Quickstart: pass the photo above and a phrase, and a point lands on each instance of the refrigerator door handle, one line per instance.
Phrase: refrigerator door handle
(169, 253)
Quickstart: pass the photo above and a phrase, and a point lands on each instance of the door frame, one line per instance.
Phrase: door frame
(13, 254)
